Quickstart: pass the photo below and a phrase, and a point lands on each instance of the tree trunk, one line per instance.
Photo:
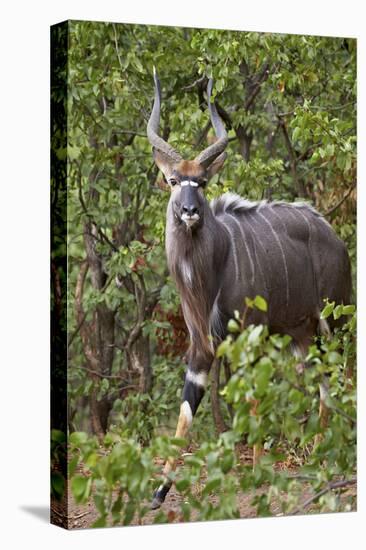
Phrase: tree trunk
(106, 319)
(140, 363)
(245, 140)
(95, 416)
(228, 373)
(98, 336)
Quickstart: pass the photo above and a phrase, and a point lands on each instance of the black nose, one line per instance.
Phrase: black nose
(189, 210)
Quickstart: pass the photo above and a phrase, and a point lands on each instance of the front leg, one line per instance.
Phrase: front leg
(193, 391)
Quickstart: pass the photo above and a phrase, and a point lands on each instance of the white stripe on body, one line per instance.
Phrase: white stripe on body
(216, 325)
(307, 223)
(247, 249)
(273, 211)
(283, 256)
(257, 240)
(234, 249)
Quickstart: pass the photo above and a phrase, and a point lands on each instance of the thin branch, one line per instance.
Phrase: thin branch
(84, 316)
(341, 201)
(79, 313)
(140, 295)
(224, 115)
(197, 82)
(119, 389)
(202, 135)
(79, 289)
(85, 210)
(130, 133)
(285, 113)
(293, 159)
(105, 238)
(329, 487)
(342, 413)
(117, 47)
(264, 74)
(77, 330)
(330, 405)
(302, 477)
(99, 374)
(80, 515)
(331, 107)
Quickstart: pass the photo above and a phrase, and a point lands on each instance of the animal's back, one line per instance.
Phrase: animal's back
(286, 252)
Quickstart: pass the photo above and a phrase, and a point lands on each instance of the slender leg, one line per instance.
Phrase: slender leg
(323, 389)
(193, 391)
(257, 447)
(323, 409)
(300, 349)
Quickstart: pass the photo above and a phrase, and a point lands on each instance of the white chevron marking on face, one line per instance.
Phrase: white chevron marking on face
(188, 182)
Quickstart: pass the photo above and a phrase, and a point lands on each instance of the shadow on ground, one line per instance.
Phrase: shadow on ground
(40, 512)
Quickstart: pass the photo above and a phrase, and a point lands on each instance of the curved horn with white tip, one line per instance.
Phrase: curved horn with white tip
(208, 155)
(153, 126)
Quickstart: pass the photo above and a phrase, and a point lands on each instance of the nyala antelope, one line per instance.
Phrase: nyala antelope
(222, 252)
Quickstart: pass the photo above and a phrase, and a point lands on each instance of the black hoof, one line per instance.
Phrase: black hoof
(159, 496)
(156, 503)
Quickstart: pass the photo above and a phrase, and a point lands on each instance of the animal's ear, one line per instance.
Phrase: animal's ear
(216, 165)
(164, 163)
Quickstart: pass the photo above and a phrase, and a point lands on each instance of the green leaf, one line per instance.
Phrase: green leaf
(296, 133)
(212, 485)
(100, 522)
(72, 466)
(138, 64)
(179, 441)
(327, 310)
(260, 303)
(100, 504)
(182, 484)
(348, 310)
(227, 462)
(80, 486)
(263, 373)
(223, 348)
(337, 312)
(129, 512)
(335, 358)
(233, 326)
(255, 334)
(78, 438)
(58, 436)
(57, 484)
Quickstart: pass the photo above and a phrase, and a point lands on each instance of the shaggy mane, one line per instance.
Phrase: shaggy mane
(230, 203)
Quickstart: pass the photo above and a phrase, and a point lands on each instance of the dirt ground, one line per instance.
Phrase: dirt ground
(82, 516)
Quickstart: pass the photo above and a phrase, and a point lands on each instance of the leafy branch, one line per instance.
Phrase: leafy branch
(331, 486)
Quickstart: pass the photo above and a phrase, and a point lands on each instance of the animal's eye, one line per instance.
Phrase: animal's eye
(172, 182)
(203, 182)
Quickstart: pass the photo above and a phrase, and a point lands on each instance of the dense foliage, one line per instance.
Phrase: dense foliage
(289, 104)
(285, 423)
